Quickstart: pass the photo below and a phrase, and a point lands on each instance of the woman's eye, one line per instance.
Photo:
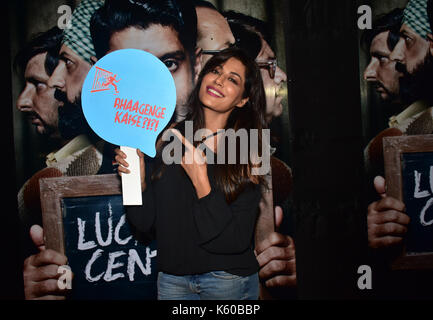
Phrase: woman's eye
(171, 65)
(215, 71)
(233, 80)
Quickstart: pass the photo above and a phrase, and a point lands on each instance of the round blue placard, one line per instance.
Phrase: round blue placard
(128, 98)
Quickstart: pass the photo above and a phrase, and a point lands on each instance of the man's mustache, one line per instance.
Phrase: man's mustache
(401, 67)
(60, 96)
(380, 85)
(31, 115)
(72, 121)
(376, 85)
(417, 84)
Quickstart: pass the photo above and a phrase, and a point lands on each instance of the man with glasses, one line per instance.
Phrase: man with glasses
(272, 75)
(271, 65)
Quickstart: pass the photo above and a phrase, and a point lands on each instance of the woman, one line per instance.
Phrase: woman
(204, 214)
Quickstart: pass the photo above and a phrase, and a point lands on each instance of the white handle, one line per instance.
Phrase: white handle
(131, 183)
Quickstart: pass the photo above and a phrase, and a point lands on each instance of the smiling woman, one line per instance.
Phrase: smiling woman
(213, 207)
(229, 94)
(222, 89)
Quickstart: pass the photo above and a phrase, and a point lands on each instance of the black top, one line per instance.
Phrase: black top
(197, 235)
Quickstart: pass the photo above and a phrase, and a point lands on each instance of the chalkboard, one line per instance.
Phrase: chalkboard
(409, 177)
(84, 218)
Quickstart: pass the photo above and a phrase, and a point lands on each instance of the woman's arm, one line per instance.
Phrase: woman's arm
(224, 228)
(143, 217)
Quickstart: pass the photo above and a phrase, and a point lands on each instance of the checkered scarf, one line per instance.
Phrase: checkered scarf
(416, 17)
(78, 37)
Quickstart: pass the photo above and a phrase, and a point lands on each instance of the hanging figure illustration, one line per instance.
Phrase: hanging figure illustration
(111, 80)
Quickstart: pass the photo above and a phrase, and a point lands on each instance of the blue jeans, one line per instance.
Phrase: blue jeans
(215, 285)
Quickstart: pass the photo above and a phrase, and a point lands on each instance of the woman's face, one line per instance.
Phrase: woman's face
(222, 88)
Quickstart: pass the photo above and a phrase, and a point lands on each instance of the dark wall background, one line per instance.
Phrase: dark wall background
(10, 262)
(326, 130)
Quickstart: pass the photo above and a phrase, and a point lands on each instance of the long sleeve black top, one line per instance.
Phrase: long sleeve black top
(197, 235)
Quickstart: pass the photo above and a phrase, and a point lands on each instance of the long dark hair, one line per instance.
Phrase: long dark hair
(233, 178)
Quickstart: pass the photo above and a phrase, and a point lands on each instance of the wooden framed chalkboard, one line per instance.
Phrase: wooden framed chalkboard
(409, 178)
(84, 218)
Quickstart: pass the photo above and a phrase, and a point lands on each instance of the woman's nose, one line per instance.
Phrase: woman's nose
(219, 80)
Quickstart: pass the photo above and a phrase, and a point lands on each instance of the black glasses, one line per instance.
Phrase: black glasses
(213, 52)
(271, 65)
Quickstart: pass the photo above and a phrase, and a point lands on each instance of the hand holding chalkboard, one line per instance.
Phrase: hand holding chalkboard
(40, 271)
(84, 219)
(386, 219)
(123, 165)
(409, 177)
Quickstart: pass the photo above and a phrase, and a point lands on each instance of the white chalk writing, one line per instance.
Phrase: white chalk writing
(418, 194)
(115, 264)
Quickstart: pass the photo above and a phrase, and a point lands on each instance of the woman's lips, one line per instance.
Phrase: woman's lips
(214, 92)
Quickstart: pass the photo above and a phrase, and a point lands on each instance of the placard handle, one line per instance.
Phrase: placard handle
(131, 183)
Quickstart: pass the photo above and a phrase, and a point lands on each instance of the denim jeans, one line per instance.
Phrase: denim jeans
(215, 285)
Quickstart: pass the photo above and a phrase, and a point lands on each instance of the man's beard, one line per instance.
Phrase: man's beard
(418, 85)
(44, 129)
(71, 117)
(391, 97)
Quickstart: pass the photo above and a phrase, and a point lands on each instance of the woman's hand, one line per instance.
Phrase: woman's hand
(195, 166)
(123, 165)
